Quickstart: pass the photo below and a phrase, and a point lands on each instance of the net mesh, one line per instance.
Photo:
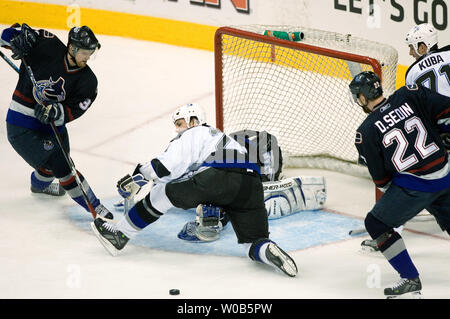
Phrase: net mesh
(300, 97)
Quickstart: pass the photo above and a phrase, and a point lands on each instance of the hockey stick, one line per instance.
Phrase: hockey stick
(11, 64)
(66, 155)
(357, 231)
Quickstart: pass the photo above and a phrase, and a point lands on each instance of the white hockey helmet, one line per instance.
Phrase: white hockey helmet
(425, 33)
(189, 110)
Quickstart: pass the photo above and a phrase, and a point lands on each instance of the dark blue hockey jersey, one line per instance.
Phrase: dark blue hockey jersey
(75, 88)
(400, 140)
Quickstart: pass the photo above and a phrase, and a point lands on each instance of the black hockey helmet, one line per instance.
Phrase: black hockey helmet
(366, 83)
(83, 38)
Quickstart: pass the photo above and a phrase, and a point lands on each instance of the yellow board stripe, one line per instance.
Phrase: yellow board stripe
(127, 25)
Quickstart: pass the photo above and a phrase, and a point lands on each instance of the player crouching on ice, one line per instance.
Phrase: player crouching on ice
(201, 166)
(282, 197)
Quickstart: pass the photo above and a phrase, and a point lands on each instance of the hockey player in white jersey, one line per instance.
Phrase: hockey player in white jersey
(432, 66)
(282, 197)
(206, 169)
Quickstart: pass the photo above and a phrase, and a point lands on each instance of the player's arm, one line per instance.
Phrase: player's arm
(439, 107)
(80, 99)
(181, 154)
(24, 41)
(369, 154)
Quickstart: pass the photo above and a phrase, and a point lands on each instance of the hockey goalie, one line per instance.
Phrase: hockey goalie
(282, 196)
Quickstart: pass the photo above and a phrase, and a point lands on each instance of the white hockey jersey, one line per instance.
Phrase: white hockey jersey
(432, 71)
(188, 152)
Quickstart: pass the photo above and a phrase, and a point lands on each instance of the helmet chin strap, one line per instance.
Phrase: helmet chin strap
(364, 107)
(72, 56)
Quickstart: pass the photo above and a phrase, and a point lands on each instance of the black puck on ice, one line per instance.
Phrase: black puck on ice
(174, 291)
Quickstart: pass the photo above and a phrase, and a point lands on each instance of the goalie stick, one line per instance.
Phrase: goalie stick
(66, 155)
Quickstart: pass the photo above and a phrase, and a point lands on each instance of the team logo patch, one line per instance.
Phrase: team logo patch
(49, 90)
(48, 145)
(384, 108)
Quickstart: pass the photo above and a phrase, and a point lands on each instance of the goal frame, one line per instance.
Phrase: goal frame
(376, 66)
(218, 66)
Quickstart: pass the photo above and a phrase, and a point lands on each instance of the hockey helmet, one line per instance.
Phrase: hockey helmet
(425, 33)
(366, 83)
(188, 111)
(83, 38)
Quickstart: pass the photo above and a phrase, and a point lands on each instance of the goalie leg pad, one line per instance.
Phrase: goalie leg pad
(291, 195)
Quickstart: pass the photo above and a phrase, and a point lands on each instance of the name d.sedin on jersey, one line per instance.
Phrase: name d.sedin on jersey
(393, 117)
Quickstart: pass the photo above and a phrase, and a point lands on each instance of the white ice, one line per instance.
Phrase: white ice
(44, 255)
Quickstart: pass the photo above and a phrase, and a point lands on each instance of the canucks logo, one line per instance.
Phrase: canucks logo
(49, 90)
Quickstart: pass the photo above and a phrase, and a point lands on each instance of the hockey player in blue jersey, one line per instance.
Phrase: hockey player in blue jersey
(400, 143)
(66, 87)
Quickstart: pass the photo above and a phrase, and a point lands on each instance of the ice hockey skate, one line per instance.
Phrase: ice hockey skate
(405, 289)
(281, 260)
(54, 189)
(104, 213)
(109, 236)
(369, 246)
(194, 232)
(210, 221)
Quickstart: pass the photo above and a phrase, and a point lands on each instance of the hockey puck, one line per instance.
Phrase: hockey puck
(174, 292)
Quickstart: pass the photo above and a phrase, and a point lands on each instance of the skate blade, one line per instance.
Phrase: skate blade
(287, 266)
(368, 250)
(108, 246)
(408, 295)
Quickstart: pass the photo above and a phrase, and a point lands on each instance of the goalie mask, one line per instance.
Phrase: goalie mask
(422, 33)
(187, 112)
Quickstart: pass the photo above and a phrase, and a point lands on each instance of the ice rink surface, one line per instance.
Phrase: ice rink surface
(45, 254)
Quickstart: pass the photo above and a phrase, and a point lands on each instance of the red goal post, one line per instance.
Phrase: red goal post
(298, 91)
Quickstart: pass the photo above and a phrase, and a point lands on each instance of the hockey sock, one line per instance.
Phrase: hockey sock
(70, 185)
(41, 178)
(393, 248)
(138, 217)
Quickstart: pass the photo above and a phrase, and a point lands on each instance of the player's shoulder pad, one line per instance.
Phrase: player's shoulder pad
(443, 49)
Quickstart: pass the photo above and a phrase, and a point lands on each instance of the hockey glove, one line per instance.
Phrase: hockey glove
(46, 114)
(128, 186)
(22, 43)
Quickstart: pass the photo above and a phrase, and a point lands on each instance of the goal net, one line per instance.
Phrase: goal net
(298, 90)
